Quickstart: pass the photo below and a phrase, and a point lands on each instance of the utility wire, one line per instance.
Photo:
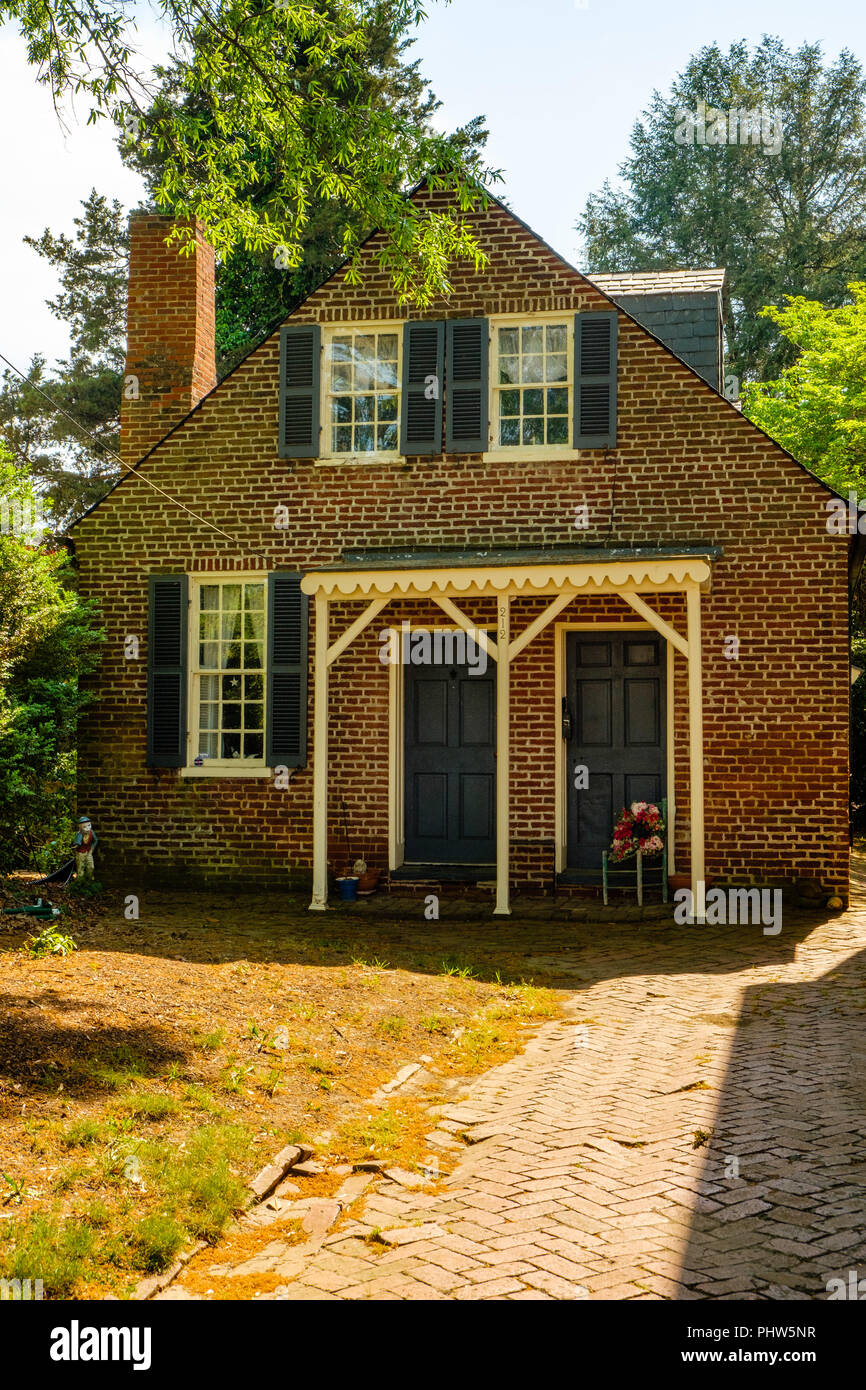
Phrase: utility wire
(128, 466)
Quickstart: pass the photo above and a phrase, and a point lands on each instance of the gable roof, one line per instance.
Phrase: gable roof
(705, 280)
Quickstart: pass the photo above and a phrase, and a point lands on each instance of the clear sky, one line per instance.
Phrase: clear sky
(560, 82)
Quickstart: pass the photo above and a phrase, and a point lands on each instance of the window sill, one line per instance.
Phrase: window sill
(358, 460)
(226, 771)
(541, 453)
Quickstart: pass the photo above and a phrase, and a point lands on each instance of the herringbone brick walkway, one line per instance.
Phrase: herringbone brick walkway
(694, 1130)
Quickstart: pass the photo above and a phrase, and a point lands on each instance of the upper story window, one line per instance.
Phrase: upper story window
(532, 384)
(363, 378)
(374, 391)
(229, 676)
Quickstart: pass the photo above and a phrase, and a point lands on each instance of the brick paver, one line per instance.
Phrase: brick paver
(707, 1141)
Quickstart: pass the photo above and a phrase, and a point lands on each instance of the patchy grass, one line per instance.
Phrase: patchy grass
(145, 1077)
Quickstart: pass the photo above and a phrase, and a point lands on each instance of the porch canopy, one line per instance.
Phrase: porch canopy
(444, 576)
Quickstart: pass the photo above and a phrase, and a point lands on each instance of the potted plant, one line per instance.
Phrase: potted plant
(368, 879)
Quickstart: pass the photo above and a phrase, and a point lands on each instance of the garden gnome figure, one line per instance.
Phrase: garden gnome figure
(85, 844)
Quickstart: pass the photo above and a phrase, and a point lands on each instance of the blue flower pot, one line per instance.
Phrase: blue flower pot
(348, 888)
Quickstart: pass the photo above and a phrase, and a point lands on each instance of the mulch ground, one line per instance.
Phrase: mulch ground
(282, 1022)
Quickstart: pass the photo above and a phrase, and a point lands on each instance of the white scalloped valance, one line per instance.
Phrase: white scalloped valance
(604, 577)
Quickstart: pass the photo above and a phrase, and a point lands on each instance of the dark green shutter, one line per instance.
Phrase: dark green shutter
(287, 671)
(423, 375)
(466, 374)
(300, 352)
(166, 669)
(595, 356)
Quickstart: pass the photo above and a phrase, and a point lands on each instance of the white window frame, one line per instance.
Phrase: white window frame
(220, 767)
(499, 453)
(329, 332)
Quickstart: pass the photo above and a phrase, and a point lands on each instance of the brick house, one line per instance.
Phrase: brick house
(543, 468)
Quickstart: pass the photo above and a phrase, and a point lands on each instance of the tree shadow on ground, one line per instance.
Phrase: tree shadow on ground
(83, 1061)
(784, 1180)
(208, 928)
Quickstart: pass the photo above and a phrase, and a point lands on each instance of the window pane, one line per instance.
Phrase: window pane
(253, 745)
(387, 347)
(533, 431)
(386, 437)
(231, 655)
(509, 339)
(231, 745)
(509, 369)
(231, 716)
(253, 656)
(532, 340)
(208, 717)
(341, 348)
(386, 374)
(387, 407)
(253, 717)
(254, 595)
(208, 745)
(341, 376)
(363, 439)
(209, 654)
(557, 401)
(342, 439)
(210, 596)
(509, 403)
(231, 597)
(556, 338)
(557, 430)
(365, 361)
(533, 402)
(533, 368)
(254, 688)
(557, 368)
(341, 409)
(254, 626)
(509, 432)
(365, 407)
(209, 687)
(231, 687)
(209, 626)
(231, 626)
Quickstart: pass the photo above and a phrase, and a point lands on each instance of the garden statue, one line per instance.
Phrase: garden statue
(85, 843)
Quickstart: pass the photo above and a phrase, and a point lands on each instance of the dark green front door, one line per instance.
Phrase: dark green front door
(615, 699)
(450, 765)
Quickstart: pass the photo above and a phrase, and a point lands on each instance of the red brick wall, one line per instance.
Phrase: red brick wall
(688, 468)
(170, 325)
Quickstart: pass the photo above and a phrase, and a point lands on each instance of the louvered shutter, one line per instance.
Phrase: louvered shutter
(466, 375)
(595, 357)
(300, 353)
(423, 373)
(166, 669)
(286, 719)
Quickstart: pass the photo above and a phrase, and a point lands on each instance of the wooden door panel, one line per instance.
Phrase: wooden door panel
(615, 693)
(641, 713)
(450, 766)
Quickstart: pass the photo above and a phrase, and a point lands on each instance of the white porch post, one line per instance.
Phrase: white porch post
(320, 759)
(696, 751)
(503, 799)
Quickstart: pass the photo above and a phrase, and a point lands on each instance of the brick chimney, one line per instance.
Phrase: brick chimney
(170, 333)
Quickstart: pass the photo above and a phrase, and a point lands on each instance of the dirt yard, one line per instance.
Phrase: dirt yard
(147, 1075)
